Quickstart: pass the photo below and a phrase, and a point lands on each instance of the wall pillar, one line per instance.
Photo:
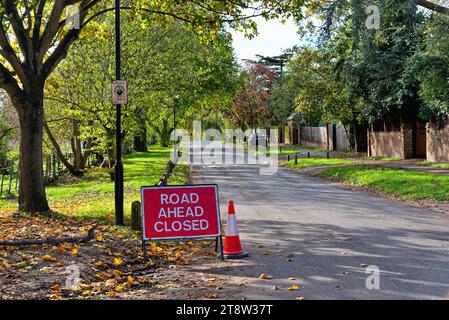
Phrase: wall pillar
(407, 136)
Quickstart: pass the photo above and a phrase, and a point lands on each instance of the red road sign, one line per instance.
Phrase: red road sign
(180, 212)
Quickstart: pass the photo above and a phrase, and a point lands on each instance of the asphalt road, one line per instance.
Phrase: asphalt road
(333, 234)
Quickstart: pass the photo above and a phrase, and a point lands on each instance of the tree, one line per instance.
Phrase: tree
(430, 65)
(276, 62)
(34, 39)
(251, 107)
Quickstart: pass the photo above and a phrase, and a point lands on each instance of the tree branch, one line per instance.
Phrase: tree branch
(23, 39)
(90, 235)
(51, 28)
(9, 84)
(432, 6)
(8, 53)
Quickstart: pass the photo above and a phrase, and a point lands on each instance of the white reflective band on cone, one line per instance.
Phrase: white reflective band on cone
(231, 227)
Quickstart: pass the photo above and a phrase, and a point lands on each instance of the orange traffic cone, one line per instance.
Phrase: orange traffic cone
(232, 247)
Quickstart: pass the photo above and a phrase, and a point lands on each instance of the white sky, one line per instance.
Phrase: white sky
(273, 37)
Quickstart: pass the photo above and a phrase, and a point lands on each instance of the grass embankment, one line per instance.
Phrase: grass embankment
(382, 159)
(405, 184)
(434, 165)
(92, 196)
(312, 148)
(278, 150)
(304, 163)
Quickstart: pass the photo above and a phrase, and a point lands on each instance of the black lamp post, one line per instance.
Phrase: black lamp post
(174, 125)
(118, 164)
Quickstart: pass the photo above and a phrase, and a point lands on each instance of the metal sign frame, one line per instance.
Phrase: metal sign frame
(218, 236)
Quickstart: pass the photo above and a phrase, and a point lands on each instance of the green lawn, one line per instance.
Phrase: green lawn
(93, 195)
(312, 148)
(383, 159)
(275, 150)
(315, 162)
(434, 165)
(406, 184)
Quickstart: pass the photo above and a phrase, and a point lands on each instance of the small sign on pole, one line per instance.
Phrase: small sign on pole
(119, 92)
(179, 212)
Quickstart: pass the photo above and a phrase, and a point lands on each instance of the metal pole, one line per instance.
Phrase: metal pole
(118, 165)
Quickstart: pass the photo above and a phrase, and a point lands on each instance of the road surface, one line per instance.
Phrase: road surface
(333, 234)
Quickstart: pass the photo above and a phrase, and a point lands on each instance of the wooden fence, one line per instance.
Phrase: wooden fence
(8, 180)
(53, 167)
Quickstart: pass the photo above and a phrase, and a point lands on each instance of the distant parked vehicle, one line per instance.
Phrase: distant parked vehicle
(257, 140)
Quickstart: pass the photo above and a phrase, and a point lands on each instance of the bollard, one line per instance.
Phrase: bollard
(288, 158)
(136, 216)
(308, 155)
(296, 159)
(328, 155)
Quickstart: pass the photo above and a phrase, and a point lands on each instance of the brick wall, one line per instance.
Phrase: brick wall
(314, 136)
(438, 143)
(386, 144)
(392, 144)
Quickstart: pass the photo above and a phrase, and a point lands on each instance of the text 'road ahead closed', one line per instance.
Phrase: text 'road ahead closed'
(180, 212)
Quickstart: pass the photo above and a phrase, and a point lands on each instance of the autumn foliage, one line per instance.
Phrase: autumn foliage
(251, 107)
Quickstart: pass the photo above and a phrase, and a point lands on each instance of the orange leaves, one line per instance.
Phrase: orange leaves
(110, 265)
(48, 257)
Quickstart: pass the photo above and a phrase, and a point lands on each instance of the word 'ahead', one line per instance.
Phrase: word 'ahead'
(180, 212)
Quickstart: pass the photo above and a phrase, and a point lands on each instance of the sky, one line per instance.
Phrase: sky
(273, 37)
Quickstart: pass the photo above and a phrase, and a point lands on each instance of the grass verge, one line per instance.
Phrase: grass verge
(315, 162)
(92, 197)
(312, 148)
(405, 184)
(434, 165)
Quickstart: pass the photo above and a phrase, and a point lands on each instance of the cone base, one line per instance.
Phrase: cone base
(234, 256)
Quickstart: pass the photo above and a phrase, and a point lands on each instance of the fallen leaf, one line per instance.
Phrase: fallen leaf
(265, 276)
(56, 264)
(300, 298)
(293, 287)
(55, 288)
(117, 261)
(130, 281)
(100, 238)
(48, 257)
(99, 264)
(120, 288)
(275, 288)
(74, 251)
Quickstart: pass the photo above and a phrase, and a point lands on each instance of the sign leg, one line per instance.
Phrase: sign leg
(216, 244)
(221, 245)
(144, 249)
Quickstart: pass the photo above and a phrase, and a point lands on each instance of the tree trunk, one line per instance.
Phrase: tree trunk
(140, 143)
(80, 156)
(32, 196)
(61, 156)
(165, 134)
